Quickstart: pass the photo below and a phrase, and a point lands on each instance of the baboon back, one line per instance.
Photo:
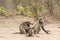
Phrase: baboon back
(24, 27)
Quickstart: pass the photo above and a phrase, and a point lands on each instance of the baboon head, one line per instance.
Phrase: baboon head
(40, 20)
(28, 23)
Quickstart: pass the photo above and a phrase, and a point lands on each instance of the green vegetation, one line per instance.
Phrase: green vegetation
(31, 8)
(2, 11)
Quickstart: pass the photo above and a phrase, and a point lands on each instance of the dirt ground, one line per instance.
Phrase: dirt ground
(9, 30)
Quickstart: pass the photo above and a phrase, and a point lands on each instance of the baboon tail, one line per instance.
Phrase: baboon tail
(44, 30)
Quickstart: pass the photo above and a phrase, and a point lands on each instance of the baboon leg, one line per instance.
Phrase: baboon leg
(44, 30)
(38, 31)
(23, 31)
(35, 32)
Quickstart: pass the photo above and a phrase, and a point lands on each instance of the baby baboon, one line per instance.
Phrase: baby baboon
(24, 27)
(30, 32)
(39, 25)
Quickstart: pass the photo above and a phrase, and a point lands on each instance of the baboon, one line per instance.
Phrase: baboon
(24, 27)
(41, 22)
(39, 25)
(30, 32)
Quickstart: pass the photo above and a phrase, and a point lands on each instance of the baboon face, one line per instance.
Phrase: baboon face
(41, 20)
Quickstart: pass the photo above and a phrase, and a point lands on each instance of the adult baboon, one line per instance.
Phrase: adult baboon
(24, 27)
(41, 22)
(39, 25)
